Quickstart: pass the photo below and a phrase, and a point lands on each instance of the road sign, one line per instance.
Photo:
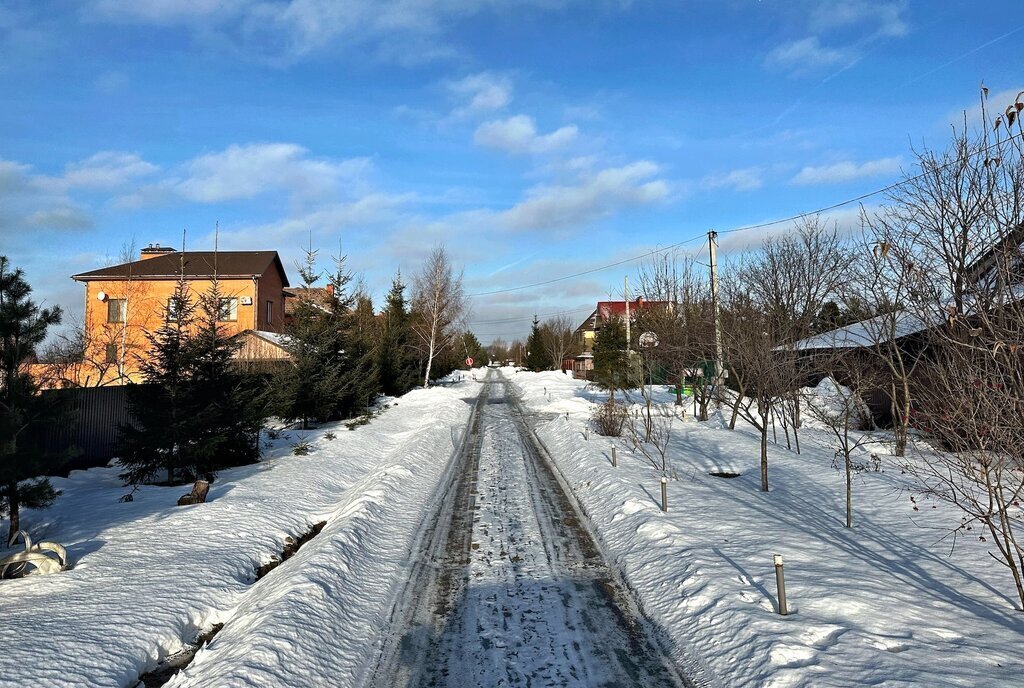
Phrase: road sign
(469, 361)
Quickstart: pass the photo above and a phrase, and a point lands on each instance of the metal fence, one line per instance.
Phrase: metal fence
(90, 427)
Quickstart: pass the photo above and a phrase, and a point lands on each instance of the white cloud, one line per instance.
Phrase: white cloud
(105, 170)
(592, 197)
(402, 31)
(808, 55)
(838, 35)
(111, 82)
(846, 220)
(995, 105)
(882, 18)
(13, 176)
(166, 11)
(480, 93)
(30, 201)
(746, 179)
(246, 171)
(518, 135)
(60, 218)
(846, 171)
(325, 222)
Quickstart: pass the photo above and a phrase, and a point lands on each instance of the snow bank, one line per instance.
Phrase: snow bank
(882, 603)
(150, 575)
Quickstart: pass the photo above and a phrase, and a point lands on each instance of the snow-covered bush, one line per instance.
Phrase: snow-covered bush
(609, 418)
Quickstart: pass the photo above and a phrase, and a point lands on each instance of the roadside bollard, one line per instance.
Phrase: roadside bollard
(615, 460)
(664, 494)
(780, 582)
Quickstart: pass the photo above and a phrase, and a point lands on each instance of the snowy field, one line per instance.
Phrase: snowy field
(883, 603)
(150, 576)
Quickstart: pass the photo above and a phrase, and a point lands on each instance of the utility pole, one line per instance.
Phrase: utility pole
(628, 341)
(713, 248)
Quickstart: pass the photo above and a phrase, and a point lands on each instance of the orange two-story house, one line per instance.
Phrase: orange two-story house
(124, 303)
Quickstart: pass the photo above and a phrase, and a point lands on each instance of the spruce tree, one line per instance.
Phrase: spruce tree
(474, 349)
(227, 418)
(325, 378)
(611, 366)
(536, 357)
(161, 430)
(396, 362)
(195, 414)
(362, 343)
(23, 327)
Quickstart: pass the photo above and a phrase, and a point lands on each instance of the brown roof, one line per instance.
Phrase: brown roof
(318, 296)
(197, 264)
(1008, 247)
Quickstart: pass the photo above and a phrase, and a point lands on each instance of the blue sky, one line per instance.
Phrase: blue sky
(534, 139)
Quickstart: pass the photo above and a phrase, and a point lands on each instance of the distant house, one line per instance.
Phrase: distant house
(260, 351)
(318, 296)
(125, 303)
(604, 313)
(997, 270)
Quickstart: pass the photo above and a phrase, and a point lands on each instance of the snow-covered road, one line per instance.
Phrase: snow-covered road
(528, 600)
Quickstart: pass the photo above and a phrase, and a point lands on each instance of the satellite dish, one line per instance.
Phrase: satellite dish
(648, 340)
(102, 296)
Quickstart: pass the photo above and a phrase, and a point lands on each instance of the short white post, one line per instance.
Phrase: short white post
(780, 582)
(664, 494)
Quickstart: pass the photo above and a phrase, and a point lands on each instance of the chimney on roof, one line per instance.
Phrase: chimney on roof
(330, 290)
(154, 250)
(639, 301)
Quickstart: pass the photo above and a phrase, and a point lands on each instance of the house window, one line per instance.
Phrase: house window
(270, 312)
(110, 353)
(173, 307)
(117, 309)
(228, 309)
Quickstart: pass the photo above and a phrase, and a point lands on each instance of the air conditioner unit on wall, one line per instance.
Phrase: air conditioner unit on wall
(246, 300)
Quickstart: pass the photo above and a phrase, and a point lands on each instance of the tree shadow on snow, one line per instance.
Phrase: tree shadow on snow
(878, 547)
(565, 630)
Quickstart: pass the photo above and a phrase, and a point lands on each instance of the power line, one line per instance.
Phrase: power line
(746, 228)
(531, 317)
(591, 271)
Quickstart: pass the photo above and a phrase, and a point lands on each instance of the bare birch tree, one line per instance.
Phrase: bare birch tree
(439, 303)
(558, 335)
(844, 413)
(685, 328)
(791, 278)
(957, 231)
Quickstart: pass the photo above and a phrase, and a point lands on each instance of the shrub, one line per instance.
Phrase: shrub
(609, 418)
(301, 448)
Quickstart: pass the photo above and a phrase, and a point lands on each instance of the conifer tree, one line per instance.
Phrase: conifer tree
(23, 327)
(363, 341)
(611, 368)
(474, 349)
(330, 374)
(161, 431)
(536, 358)
(196, 414)
(396, 362)
(302, 389)
(227, 418)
